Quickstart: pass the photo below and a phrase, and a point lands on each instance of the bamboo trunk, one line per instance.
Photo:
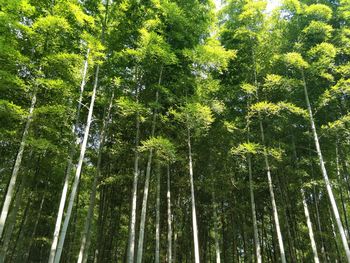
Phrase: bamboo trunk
(16, 167)
(193, 205)
(325, 174)
(132, 227)
(252, 202)
(341, 191)
(146, 187)
(170, 232)
(69, 167)
(157, 252)
(309, 227)
(85, 241)
(11, 221)
(272, 194)
(216, 233)
(78, 172)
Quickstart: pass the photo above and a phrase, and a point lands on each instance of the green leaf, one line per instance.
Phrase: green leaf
(163, 148)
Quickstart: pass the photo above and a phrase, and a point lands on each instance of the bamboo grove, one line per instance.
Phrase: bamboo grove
(174, 131)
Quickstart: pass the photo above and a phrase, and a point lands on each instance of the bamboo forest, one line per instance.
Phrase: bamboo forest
(167, 131)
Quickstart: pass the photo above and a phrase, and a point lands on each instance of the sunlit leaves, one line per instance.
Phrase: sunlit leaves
(291, 6)
(252, 12)
(318, 12)
(339, 125)
(162, 147)
(338, 91)
(247, 148)
(322, 58)
(317, 32)
(195, 115)
(295, 60)
(251, 148)
(275, 109)
(66, 66)
(128, 107)
(154, 47)
(74, 14)
(249, 88)
(230, 126)
(50, 32)
(211, 55)
(18, 7)
(10, 112)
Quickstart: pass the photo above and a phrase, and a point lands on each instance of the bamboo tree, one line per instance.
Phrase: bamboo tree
(272, 195)
(86, 236)
(59, 249)
(146, 187)
(17, 165)
(12, 221)
(157, 250)
(132, 226)
(169, 219)
(309, 227)
(216, 232)
(78, 171)
(252, 200)
(69, 165)
(324, 172)
(193, 201)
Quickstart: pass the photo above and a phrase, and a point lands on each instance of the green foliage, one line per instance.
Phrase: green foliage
(196, 116)
(10, 112)
(50, 32)
(317, 32)
(318, 12)
(250, 148)
(322, 57)
(129, 107)
(340, 125)
(230, 126)
(163, 148)
(272, 109)
(293, 6)
(74, 14)
(211, 55)
(154, 47)
(249, 88)
(273, 82)
(247, 148)
(295, 60)
(216, 83)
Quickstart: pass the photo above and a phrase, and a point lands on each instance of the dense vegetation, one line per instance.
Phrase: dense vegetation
(170, 131)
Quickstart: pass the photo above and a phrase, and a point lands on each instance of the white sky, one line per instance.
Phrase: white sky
(271, 4)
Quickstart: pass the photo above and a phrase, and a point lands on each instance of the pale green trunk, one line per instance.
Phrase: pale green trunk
(16, 167)
(69, 167)
(11, 222)
(146, 187)
(309, 227)
(325, 175)
(132, 226)
(216, 232)
(73, 193)
(157, 252)
(193, 203)
(272, 194)
(170, 231)
(252, 202)
(85, 241)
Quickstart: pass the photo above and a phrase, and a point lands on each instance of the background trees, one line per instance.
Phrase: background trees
(194, 135)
